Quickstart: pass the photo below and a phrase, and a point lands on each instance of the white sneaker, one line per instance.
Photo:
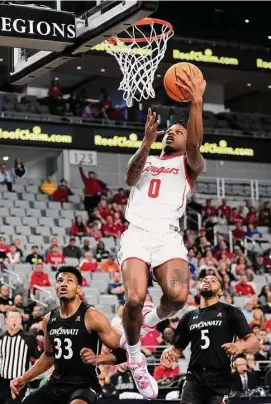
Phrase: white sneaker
(145, 383)
(145, 329)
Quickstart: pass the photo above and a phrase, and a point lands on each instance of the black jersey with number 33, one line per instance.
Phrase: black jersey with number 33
(208, 329)
(67, 337)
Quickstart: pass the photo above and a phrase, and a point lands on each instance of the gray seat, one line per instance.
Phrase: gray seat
(52, 213)
(74, 198)
(100, 285)
(41, 197)
(59, 231)
(4, 212)
(54, 205)
(91, 291)
(30, 221)
(46, 221)
(18, 187)
(82, 213)
(18, 212)
(65, 223)
(67, 214)
(22, 238)
(21, 204)
(71, 261)
(91, 299)
(101, 276)
(11, 196)
(27, 197)
(27, 268)
(13, 221)
(36, 239)
(108, 300)
(43, 231)
(106, 309)
(39, 205)
(24, 230)
(68, 205)
(6, 203)
(8, 230)
(32, 189)
(33, 212)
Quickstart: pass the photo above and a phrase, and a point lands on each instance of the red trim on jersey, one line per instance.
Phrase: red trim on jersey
(135, 258)
(171, 259)
(186, 173)
(184, 196)
(170, 157)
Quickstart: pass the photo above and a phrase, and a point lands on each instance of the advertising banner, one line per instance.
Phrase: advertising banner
(124, 140)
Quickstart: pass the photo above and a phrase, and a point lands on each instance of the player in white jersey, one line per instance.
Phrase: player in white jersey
(157, 201)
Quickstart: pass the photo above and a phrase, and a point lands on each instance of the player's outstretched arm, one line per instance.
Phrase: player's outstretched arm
(97, 321)
(138, 161)
(170, 355)
(114, 357)
(195, 87)
(44, 363)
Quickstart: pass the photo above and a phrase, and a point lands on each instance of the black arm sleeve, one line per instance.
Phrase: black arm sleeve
(181, 336)
(33, 347)
(239, 323)
(120, 355)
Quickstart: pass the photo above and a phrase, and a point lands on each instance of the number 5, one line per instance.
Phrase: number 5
(205, 338)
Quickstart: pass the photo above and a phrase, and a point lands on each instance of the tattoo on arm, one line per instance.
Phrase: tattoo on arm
(136, 165)
(179, 277)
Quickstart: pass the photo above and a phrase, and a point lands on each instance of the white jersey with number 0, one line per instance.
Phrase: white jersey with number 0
(158, 200)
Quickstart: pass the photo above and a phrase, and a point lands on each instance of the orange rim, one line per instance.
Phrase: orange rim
(144, 21)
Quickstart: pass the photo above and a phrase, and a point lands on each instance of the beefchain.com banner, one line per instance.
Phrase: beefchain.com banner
(124, 140)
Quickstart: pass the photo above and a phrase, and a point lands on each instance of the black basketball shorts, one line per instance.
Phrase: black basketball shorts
(56, 393)
(194, 392)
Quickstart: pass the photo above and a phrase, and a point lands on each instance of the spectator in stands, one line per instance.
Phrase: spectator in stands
(17, 244)
(72, 250)
(166, 372)
(251, 363)
(5, 177)
(120, 197)
(243, 288)
(19, 304)
(55, 258)
(243, 380)
(6, 302)
(224, 209)
(35, 318)
(193, 209)
(240, 265)
(103, 210)
(48, 187)
(208, 210)
(13, 256)
(236, 217)
(39, 278)
(35, 257)
(109, 265)
(266, 259)
(263, 337)
(229, 299)
(265, 215)
(258, 264)
(88, 263)
(19, 170)
(115, 287)
(248, 311)
(93, 189)
(87, 111)
(78, 228)
(252, 232)
(94, 231)
(150, 341)
(223, 249)
(167, 336)
(263, 295)
(101, 253)
(86, 246)
(264, 353)
(228, 288)
(251, 217)
(238, 233)
(55, 97)
(267, 307)
(3, 247)
(257, 319)
(62, 192)
(121, 380)
(109, 229)
(67, 109)
(53, 242)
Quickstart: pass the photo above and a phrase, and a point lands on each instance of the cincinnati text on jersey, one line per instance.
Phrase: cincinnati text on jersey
(64, 331)
(202, 324)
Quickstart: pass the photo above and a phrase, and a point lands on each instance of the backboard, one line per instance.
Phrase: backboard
(93, 27)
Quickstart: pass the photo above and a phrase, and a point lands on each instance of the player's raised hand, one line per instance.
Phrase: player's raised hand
(151, 127)
(170, 355)
(192, 83)
(88, 356)
(234, 348)
(16, 385)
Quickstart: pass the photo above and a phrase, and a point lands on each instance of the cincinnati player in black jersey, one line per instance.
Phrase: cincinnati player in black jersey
(69, 330)
(212, 330)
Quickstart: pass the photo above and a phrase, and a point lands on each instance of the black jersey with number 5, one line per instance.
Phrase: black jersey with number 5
(208, 329)
(67, 337)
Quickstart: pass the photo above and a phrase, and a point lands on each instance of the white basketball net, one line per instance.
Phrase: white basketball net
(138, 61)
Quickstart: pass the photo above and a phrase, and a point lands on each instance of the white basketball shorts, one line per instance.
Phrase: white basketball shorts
(152, 248)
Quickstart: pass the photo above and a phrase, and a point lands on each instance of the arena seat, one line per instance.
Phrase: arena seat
(39, 205)
(7, 230)
(6, 203)
(35, 239)
(43, 231)
(65, 223)
(108, 300)
(71, 261)
(29, 221)
(21, 204)
(26, 197)
(13, 221)
(67, 214)
(58, 231)
(53, 213)
(41, 197)
(17, 212)
(46, 221)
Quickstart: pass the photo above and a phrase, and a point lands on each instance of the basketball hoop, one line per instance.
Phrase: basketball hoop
(139, 55)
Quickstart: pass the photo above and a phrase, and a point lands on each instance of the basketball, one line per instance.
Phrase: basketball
(172, 90)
